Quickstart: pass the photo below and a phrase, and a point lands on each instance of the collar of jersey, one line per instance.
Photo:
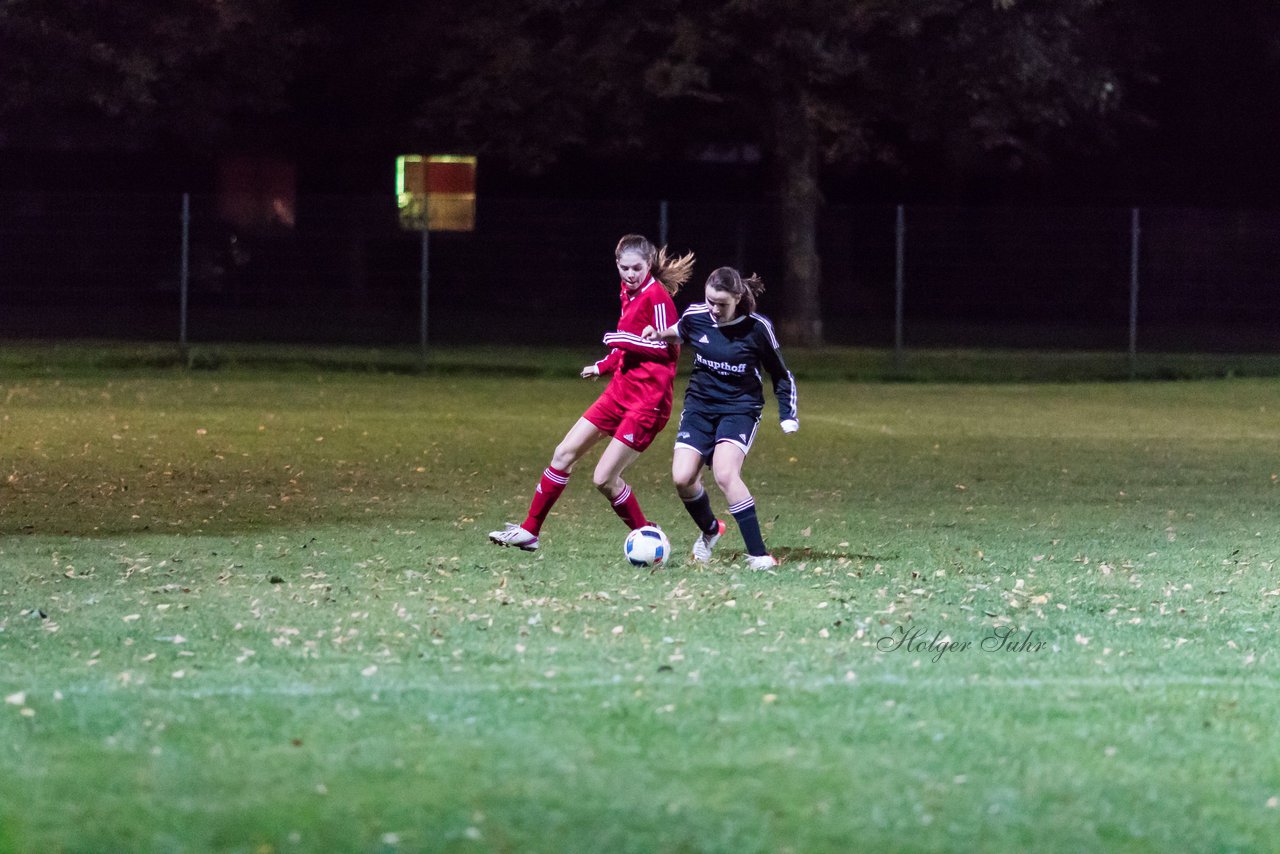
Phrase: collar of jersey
(737, 319)
(633, 294)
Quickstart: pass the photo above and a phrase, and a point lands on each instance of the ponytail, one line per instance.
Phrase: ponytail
(673, 272)
(730, 281)
(670, 272)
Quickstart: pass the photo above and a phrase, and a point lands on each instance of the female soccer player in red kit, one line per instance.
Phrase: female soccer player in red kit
(637, 403)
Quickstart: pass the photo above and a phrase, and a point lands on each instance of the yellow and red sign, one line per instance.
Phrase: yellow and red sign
(436, 192)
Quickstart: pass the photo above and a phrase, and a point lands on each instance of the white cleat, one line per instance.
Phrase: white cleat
(761, 562)
(514, 535)
(706, 542)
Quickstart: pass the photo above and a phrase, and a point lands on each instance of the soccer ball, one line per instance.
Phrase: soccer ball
(647, 546)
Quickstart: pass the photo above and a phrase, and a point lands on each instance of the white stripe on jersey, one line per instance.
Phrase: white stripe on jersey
(773, 340)
(611, 338)
(659, 316)
(768, 327)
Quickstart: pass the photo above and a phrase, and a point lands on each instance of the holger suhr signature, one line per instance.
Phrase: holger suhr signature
(918, 639)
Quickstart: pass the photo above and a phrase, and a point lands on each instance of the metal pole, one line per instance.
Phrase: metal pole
(740, 243)
(1135, 231)
(424, 278)
(662, 223)
(184, 275)
(899, 286)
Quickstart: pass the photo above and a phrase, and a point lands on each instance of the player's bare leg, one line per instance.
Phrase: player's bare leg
(607, 478)
(580, 438)
(726, 466)
(686, 472)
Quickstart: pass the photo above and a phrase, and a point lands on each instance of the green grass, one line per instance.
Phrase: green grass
(253, 609)
(853, 364)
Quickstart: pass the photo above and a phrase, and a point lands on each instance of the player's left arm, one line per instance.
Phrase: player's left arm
(784, 382)
(607, 365)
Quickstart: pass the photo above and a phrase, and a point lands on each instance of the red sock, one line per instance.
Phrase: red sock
(549, 488)
(628, 508)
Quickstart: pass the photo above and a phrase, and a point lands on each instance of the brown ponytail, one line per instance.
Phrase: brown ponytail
(730, 281)
(670, 272)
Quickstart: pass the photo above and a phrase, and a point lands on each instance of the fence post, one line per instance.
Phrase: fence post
(740, 240)
(899, 285)
(1135, 231)
(424, 277)
(662, 223)
(184, 276)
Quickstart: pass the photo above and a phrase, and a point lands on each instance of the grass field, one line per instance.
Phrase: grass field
(254, 609)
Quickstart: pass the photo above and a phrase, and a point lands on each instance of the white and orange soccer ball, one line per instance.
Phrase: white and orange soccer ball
(647, 546)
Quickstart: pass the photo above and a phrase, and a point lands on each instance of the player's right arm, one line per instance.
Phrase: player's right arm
(648, 348)
(654, 314)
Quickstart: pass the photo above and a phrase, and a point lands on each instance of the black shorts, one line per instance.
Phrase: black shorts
(702, 431)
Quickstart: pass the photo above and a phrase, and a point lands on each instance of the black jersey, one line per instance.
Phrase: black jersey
(726, 364)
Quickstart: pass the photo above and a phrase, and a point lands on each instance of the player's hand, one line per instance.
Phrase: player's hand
(590, 372)
(790, 426)
(649, 333)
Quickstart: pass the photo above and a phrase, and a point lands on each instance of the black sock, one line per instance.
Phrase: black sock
(699, 509)
(745, 514)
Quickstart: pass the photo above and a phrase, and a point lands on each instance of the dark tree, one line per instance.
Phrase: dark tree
(813, 84)
(107, 74)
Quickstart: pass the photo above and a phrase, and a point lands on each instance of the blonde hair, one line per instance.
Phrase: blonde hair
(671, 272)
(730, 281)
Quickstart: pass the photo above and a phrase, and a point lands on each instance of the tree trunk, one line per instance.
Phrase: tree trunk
(799, 202)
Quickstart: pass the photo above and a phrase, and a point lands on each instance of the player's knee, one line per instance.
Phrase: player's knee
(564, 457)
(606, 482)
(726, 480)
(686, 482)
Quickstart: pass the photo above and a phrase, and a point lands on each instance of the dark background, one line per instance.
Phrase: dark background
(1000, 250)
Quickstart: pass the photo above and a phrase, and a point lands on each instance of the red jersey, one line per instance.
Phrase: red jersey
(643, 371)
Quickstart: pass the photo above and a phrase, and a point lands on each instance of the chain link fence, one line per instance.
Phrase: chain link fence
(342, 271)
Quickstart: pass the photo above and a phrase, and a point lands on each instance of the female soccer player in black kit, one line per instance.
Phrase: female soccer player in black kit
(723, 405)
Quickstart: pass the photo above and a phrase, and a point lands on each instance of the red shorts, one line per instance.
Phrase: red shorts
(633, 428)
